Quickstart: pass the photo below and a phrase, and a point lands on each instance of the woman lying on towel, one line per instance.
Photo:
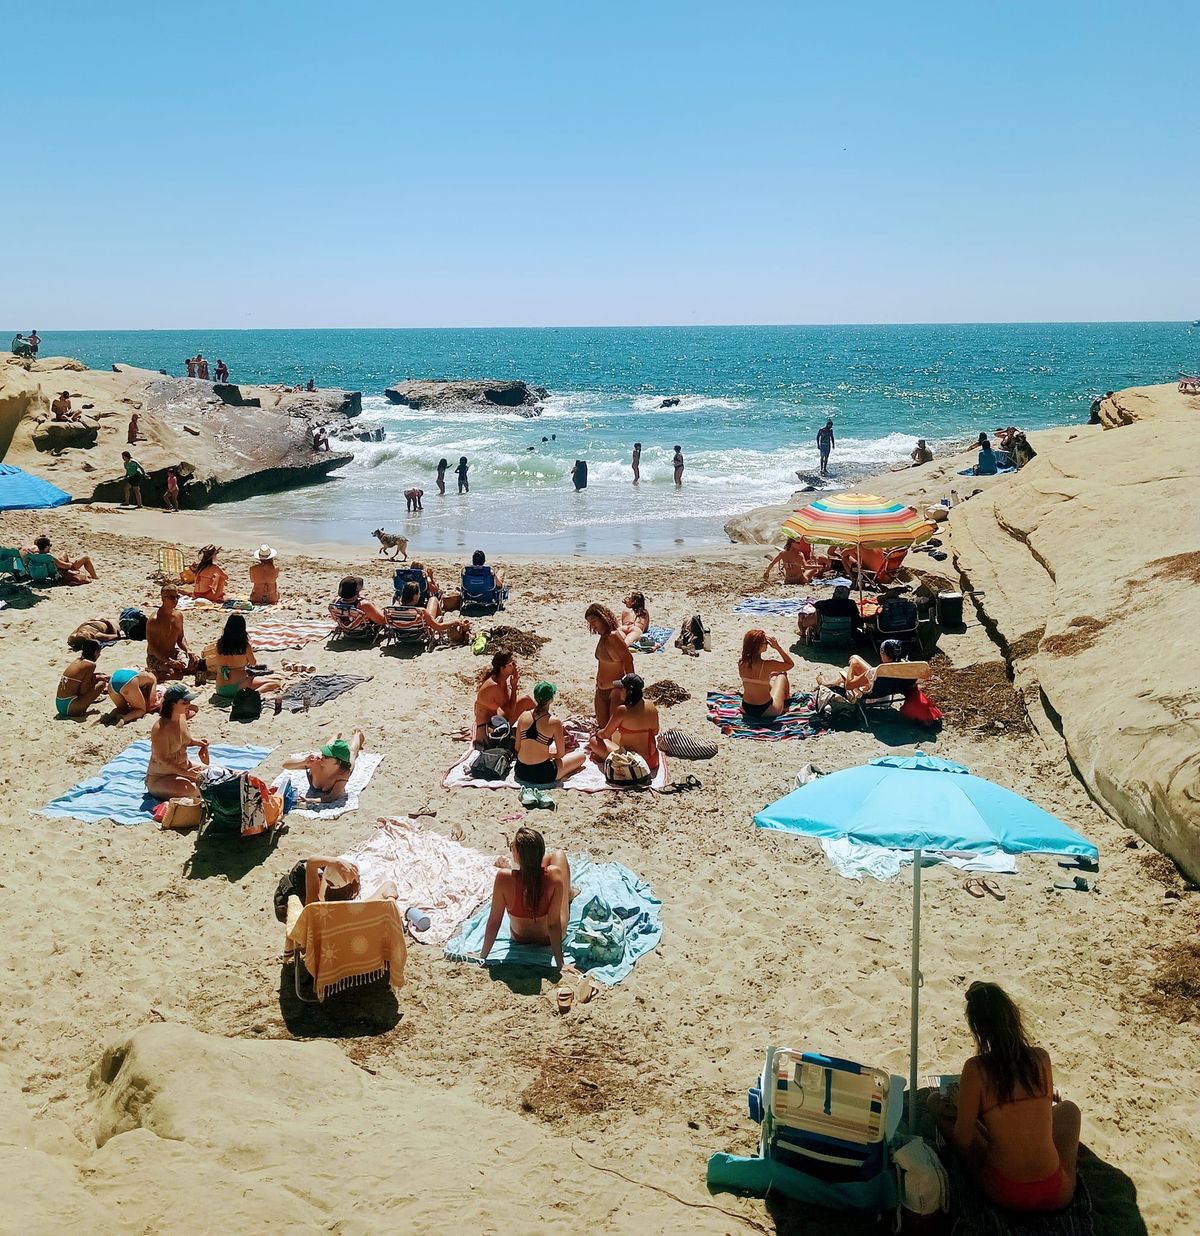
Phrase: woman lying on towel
(329, 769)
(171, 774)
(765, 686)
(633, 725)
(534, 887)
(541, 744)
(497, 695)
(1018, 1138)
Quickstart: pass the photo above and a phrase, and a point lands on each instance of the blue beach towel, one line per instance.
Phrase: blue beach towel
(771, 605)
(972, 472)
(655, 639)
(634, 908)
(118, 791)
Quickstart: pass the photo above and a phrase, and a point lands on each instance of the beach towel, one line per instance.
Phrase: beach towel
(238, 603)
(349, 943)
(118, 791)
(632, 904)
(318, 689)
(973, 1215)
(655, 639)
(364, 768)
(771, 605)
(855, 861)
(444, 878)
(280, 634)
(588, 780)
(972, 472)
(799, 721)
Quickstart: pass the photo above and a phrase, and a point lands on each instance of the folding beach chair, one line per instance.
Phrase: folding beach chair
(479, 588)
(336, 945)
(898, 619)
(834, 631)
(350, 623)
(409, 575)
(11, 565)
(407, 628)
(170, 563)
(894, 680)
(828, 1128)
(41, 569)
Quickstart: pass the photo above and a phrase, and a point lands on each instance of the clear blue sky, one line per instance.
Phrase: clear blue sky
(503, 162)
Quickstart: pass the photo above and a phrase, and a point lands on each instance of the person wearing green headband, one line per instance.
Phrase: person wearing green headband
(329, 769)
(541, 745)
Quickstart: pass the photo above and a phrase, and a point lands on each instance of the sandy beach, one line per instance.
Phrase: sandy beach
(466, 1102)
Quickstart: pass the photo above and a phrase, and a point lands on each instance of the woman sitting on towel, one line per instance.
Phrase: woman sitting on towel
(534, 887)
(765, 686)
(1016, 1135)
(329, 769)
(635, 618)
(633, 725)
(541, 744)
(171, 774)
(210, 579)
(497, 695)
(613, 658)
(232, 660)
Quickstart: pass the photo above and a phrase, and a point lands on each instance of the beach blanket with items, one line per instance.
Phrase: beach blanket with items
(797, 721)
(654, 640)
(615, 919)
(118, 791)
(309, 803)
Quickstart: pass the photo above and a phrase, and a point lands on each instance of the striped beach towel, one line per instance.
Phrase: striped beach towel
(725, 710)
(771, 605)
(280, 634)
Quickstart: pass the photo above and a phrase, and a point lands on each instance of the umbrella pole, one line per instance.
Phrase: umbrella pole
(915, 1000)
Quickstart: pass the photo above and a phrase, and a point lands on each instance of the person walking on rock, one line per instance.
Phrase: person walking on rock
(825, 445)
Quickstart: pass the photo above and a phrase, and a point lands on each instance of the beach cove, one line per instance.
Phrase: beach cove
(151, 949)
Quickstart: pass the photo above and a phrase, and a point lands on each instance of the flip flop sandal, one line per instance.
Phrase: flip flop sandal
(1080, 864)
(1078, 885)
(691, 782)
(974, 887)
(673, 788)
(589, 989)
(993, 889)
(564, 998)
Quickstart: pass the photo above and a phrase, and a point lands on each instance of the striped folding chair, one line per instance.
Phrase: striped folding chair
(407, 628)
(350, 623)
(170, 563)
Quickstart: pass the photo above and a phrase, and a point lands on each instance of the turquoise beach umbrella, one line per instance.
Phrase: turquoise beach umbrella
(22, 491)
(916, 803)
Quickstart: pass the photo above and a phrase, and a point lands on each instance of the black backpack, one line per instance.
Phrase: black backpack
(493, 764)
(290, 885)
(246, 706)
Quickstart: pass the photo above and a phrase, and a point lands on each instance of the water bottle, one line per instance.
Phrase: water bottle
(417, 919)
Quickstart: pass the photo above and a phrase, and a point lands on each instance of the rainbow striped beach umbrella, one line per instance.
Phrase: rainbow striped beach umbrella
(858, 519)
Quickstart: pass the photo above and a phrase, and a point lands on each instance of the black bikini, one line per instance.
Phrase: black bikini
(545, 772)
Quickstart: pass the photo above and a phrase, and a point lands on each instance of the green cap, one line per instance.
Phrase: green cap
(544, 692)
(338, 750)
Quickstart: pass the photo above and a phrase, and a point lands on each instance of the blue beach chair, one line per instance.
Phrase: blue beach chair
(479, 588)
(11, 564)
(409, 575)
(42, 569)
(828, 1128)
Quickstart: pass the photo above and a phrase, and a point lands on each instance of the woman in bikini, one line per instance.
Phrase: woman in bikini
(171, 774)
(765, 686)
(534, 888)
(541, 745)
(613, 658)
(132, 693)
(633, 725)
(80, 685)
(210, 579)
(496, 695)
(231, 658)
(1019, 1139)
(635, 618)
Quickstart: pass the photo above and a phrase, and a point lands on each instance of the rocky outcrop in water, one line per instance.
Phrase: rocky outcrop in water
(222, 450)
(489, 394)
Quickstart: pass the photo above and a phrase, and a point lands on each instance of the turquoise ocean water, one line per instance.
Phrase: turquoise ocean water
(751, 401)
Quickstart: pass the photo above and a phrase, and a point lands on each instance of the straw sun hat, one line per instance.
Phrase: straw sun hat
(265, 554)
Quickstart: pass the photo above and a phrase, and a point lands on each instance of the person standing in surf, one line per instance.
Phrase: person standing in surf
(464, 486)
(443, 464)
(825, 445)
(677, 464)
(637, 462)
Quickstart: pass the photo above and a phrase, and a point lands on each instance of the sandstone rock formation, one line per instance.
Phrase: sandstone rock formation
(1088, 562)
(487, 393)
(197, 1133)
(223, 451)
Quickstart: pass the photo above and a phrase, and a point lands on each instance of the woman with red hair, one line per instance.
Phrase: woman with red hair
(765, 686)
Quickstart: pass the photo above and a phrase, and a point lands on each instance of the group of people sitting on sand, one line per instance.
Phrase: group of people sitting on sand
(209, 580)
(800, 563)
(1011, 450)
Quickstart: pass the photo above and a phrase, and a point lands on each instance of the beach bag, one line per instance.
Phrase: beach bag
(132, 624)
(222, 799)
(599, 940)
(492, 764)
(246, 706)
(290, 885)
(919, 708)
(682, 746)
(694, 634)
(261, 807)
(923, 1184)
(628, 771)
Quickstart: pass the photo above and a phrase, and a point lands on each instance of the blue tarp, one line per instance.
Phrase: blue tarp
(632, 903)
(22, 491)
(118, 791)
(921, 802)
